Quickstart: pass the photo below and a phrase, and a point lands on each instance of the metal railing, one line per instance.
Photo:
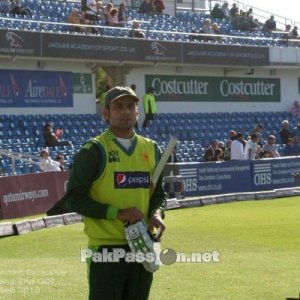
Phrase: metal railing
(23, 157)
(159, 34)
(260, 14)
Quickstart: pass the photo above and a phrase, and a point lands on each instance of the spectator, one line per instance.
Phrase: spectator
(91, 14)
(145, 7)
(237, 147)
(74, 19)
(107, 10)
(216, 12)
(287, 31)
(5, 6)
(18, 9)
(53, 139)
(270, 25)
(135, 32)
(244, 24)
(253, 23)
(122, 15)
(77, 18)
(152, 7)
(258, 129)
(60, 159)
(91, 10)
(287, 34)
(100, 10)
(149, 105)
(295, 109)
(216, 29)
(294, 33)
(249, 12)
(225, 10)
(233, 10)
(237, 21)
(232, 134)
(251, 147)
(159, 6)
(213, 153)
(265, 154)
(112, 18)
(226, 151)
(285, 134)
(46, 164)
(290, 148)
(207, 30)
(270, 146)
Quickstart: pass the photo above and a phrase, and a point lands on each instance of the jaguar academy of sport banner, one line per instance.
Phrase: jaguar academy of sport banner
(60, 45)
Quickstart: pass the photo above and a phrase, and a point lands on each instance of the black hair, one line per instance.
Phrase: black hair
(47, 125)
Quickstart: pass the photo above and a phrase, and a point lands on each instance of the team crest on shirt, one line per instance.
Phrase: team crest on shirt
(131, 180)
(145, 156)
(113, 156)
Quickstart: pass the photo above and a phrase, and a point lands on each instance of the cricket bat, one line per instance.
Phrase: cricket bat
(162, 162)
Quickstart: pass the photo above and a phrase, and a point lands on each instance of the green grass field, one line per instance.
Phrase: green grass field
(258, 242)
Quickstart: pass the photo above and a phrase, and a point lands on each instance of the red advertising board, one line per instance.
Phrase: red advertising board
(30, 194)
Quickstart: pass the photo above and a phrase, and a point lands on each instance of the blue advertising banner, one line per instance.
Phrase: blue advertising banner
(216, 178)
(274, 173)
(35, 89)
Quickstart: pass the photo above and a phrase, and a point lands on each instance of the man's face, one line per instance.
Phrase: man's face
(257, 139)
(215, 145)
(271, 141)
(44, 154)
(122, 113)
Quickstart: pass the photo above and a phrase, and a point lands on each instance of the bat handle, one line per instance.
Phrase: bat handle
(152, 188)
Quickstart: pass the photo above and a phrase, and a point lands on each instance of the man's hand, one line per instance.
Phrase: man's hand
(130, 215)
(156, 224)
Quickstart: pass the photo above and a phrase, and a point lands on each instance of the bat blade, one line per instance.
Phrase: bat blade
(164, 159)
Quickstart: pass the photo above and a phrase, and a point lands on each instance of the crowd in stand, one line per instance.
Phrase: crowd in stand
(14, 7)
(253, 147)
(240, 19)
(47, 164)
(86, 19)
(93, 11)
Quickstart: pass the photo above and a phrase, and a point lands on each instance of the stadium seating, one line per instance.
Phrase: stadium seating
(23, 133)
(54, 15)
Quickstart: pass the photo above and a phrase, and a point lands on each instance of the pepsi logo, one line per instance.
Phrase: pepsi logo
(121, 179)
(131, 180)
